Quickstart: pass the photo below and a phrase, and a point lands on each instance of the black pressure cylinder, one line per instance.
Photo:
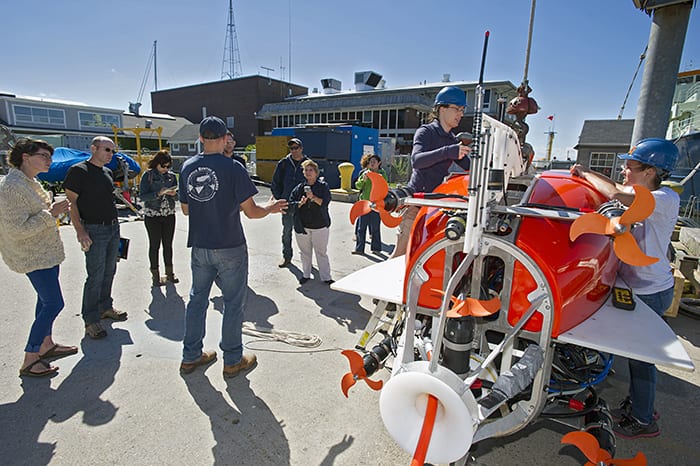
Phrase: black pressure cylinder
(457, 344)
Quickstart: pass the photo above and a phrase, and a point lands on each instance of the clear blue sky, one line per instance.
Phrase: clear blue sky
(583, 56)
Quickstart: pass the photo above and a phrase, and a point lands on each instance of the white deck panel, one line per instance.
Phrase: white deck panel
(638, 334)
(383, 281)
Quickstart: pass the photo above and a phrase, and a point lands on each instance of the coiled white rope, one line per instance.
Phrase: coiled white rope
(297, 339)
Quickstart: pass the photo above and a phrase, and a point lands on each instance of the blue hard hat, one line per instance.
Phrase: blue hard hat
(657, 152)
(451, 95)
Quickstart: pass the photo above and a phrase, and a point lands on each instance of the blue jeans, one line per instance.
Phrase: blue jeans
(231, 267)
(101, 265)
(371, 221)
(643, 374)
(48, 304)
(287, 227)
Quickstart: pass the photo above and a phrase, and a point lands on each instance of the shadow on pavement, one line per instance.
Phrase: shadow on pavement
(167, 313)
(244, 428)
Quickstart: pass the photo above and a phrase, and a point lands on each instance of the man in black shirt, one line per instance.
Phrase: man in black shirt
(89, 188)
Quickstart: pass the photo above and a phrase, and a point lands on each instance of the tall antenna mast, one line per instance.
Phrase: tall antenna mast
(231, 66)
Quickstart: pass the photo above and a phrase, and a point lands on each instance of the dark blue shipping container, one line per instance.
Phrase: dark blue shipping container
(335, 145)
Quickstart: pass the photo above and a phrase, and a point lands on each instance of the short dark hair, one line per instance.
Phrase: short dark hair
(162, 157)
(27, 146)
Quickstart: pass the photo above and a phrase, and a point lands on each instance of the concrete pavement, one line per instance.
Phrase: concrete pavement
(121, 400)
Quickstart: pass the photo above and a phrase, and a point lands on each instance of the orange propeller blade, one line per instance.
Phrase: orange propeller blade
(389, 220)
(475, 307)
(592, 222)
(590, 448)
(588, 445)
(346, 382)
(379, 187)
(638, 460)
(627, 250)
(470, 306)
(357, 372)
(642, 206)
(359, 209)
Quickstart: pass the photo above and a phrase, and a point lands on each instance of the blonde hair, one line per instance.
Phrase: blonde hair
(310, 163)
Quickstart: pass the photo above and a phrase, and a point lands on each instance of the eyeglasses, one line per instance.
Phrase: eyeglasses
(46, 155)
(454, 107)
(109, 149)
(293, 147)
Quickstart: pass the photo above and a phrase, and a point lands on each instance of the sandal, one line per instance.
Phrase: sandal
(27, 371)
(59, 351)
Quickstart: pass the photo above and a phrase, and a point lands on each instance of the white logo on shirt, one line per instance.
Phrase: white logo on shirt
(202, 184)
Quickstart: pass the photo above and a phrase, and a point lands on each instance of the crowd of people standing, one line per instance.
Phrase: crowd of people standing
(213, 189)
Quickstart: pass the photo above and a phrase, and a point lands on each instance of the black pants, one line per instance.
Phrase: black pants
(161, 230)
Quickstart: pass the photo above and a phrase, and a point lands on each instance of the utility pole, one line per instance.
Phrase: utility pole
(231, 66)
(666, 38)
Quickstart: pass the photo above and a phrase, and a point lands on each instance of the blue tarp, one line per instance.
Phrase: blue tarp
(64, 158)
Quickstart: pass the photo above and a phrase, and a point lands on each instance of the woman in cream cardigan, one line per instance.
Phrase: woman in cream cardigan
(30, 244)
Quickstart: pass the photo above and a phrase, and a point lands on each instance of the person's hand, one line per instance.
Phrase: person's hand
(278, 206)
(578, 170)
(463, 151)
(59, 207)
(84, 240)
(172, 191)
(302, 201)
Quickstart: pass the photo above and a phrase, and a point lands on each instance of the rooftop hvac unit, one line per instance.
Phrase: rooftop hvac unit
(330, 86)
(366, 80)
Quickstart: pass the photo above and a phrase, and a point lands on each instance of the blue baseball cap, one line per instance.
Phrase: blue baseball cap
(212, 128)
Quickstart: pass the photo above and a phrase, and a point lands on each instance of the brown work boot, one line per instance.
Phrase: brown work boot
(114, 314)
(207, 357)
(248, 361)
(157, 280)
(170, 274)
(284, 263)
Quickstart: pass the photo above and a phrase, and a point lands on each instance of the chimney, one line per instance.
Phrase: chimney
(446, 77)
(366, 80)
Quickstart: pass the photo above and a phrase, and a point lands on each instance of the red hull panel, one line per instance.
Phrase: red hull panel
(579, 274)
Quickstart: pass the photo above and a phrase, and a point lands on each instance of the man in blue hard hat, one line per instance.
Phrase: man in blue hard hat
(647, 164)
(435, 148)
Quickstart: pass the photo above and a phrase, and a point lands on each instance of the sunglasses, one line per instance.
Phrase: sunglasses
(167, 165)
(109, 149)
(293, 147)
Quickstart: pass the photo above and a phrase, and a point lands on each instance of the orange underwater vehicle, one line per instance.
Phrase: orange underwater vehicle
(501, 311)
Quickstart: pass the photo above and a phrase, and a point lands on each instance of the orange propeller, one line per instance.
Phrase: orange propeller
(590, 448)
(470, 306)
(624, 244)
(357, 372)
(377, 195)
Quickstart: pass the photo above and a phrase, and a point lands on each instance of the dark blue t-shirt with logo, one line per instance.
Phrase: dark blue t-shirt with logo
(214, 186)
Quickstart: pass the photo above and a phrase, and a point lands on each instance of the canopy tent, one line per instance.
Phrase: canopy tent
(64, 158)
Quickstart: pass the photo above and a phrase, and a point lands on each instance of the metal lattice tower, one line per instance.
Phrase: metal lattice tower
(231, 66)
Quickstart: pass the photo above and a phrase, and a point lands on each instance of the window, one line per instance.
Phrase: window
(191, 148)
(367, 116)
(89, 120)
(46, 116)
(487, 99)
(604, 162)
(174, 147)
(229, 122)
